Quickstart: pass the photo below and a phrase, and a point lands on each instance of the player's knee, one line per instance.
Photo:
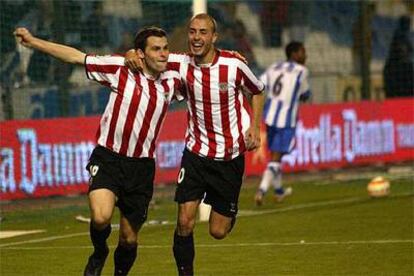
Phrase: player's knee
(128, 237)
(100, 219)
(185, 224)
(128, 240)
(218, 233)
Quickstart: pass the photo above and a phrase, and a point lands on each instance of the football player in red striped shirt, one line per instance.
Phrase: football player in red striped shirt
(220, 130)
(122, 166)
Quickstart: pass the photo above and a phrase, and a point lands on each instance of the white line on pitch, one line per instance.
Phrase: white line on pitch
(245, 213)
(45, 239)
(246, 244)
(241, 214)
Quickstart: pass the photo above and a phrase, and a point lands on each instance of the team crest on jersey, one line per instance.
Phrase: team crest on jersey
(232, 150)
(166, 95)
(223, 86)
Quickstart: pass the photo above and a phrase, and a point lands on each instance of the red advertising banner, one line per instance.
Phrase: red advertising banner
(349, 134)
(41, 158)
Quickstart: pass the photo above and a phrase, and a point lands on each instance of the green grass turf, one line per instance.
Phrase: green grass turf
(324, 228)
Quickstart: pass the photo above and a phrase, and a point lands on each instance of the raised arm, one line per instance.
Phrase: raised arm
(59, 51)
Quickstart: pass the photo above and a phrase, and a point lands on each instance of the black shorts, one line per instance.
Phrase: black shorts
(130, 179)
(220, 181)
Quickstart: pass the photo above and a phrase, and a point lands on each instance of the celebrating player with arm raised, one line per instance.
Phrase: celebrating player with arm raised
(122, 166)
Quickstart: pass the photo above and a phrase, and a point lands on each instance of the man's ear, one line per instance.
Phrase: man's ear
(215, 36)
(140, 53)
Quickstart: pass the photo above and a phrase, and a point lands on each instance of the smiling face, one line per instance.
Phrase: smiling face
(201, 39)
(155, 56)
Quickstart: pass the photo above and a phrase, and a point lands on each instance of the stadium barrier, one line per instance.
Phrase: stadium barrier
(41, 158)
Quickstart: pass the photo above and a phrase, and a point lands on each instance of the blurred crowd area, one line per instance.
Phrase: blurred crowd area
(334, 33)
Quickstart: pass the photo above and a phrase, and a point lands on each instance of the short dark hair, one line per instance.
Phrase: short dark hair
(293, 47)
(205, 16)
(140, 41)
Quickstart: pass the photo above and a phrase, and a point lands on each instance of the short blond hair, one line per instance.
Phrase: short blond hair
(205, 16)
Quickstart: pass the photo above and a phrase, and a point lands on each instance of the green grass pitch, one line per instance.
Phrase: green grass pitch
(324, 228)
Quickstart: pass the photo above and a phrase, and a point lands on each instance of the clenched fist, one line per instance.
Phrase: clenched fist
(23, 36)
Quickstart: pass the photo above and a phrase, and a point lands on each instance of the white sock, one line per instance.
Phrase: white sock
(269, 176)
(277, 176)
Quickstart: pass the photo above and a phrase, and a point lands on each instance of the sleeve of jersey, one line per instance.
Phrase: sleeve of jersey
(175, 60)
(263, 78)
(249, 80)
(174, 63)
(103, 69)
(305, 92)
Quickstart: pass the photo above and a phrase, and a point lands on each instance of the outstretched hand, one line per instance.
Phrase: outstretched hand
(23, 36)
(252, 138)
(132, 61)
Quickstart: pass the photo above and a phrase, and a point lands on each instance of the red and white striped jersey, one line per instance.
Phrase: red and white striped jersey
(218, 111)
(136, 107)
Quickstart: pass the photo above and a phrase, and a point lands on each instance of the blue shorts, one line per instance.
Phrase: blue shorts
(280, 139)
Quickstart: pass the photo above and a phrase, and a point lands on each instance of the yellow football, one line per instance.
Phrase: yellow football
(378, 187)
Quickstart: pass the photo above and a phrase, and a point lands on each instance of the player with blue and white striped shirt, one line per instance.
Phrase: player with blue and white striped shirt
(286, 85)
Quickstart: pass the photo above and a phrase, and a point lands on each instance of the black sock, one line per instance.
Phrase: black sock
(124, 258)
(184, 253)
(98, 238)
